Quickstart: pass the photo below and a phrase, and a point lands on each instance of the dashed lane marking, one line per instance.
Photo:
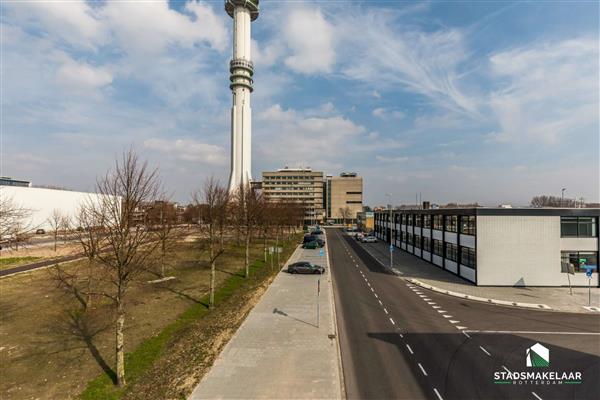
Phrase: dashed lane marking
(376, 296)
(385, 310)
(485, 351)
(372, 290)
(380, 303)
(392, 321)
(453, 321)
(466, 334)
(447, 316)
(400, 335)
(539, 333)
(461, 327)
(506, 369)
(536, 396)
(431, 303)
(422, 369)
(438, 394)
(409, 349)
(436, 306)
(442, 311)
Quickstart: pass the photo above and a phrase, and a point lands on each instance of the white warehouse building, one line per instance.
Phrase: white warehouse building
(40, 203)
(500, 246)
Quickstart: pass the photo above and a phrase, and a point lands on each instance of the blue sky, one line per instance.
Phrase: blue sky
(466, 101)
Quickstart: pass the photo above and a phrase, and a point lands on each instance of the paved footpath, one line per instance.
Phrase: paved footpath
(281, 350)
(425, 274)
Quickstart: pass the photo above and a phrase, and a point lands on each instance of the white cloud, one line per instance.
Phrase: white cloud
(397, 159)
(83, 76)
(550, 91)
(189, 150)
(310, 38)
(385, 113)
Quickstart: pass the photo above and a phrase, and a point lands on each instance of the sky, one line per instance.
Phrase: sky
(460, 101)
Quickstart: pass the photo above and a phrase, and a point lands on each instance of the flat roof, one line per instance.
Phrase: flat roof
(588, 212)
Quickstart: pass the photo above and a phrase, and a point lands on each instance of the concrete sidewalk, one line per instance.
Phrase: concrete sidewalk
(421, 272)
(281, 350)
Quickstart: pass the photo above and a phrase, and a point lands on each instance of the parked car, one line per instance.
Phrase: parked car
(311, 245)
(308, 238)
(305, 267)
(358, 236)
(317, 232)
(369, 239)
(40, 232)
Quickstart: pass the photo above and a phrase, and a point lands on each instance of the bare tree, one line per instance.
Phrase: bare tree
(127, 248)
(247, 208)
(14, 219)
(162, 217)
(65, 227)
(552, 201)
(346, 213)
(212, 199)
(55, 221)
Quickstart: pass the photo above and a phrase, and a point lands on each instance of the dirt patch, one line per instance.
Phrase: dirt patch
(50, 350)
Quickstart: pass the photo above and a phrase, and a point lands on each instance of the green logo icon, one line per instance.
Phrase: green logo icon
(537, 356)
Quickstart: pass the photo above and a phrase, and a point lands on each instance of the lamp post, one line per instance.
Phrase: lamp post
(562, 197)
(391, 234)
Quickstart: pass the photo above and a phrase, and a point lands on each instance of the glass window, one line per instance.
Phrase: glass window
(438, 247)
(427, 221)
(568, 226)
(467, 257)
(426, 244)
(468, 225)
(418, 220)
(403, 219)
(403, 237)
(451, 252)
(409, 220)
(417, 241)
(451, 223)
(409, 239)
(580, 258)
(586, 227)
(438, 222)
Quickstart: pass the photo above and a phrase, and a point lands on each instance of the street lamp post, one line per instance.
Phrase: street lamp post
(391, 234)
(562, 197)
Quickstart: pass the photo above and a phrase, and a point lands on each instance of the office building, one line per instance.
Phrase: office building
(6, 181)
(299, 185)
(500, 246)
(344, 197)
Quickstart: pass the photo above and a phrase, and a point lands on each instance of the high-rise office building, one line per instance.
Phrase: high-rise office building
(344, 197)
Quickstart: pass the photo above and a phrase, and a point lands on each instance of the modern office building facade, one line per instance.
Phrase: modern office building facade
(500, 246)
(299, 185)
(343, 192)
(7, 181)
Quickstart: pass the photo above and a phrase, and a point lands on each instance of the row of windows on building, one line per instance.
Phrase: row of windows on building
(578, 227)
(460, 254)
(312, 188)
(288, 179)
(450, 223)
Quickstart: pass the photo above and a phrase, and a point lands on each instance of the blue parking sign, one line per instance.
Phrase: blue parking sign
(321, 252)
(391, 247)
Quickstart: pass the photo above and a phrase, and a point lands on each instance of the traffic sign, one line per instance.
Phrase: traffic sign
(588, 272)
(321, 252)
(391, 247)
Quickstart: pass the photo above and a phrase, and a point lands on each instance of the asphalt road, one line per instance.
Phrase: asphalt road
(399, 341)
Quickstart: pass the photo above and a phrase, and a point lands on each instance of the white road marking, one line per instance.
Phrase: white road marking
(441, 311)
(400, 335)
(539, 333)
(453, 321)
(536, 396)
(392, 321)
(506, 369)
(385, 310)
(466, 334)
(431, 302)
(447, 316)
(409, 349)
(422, 295)
(422, 369)
(485, 351)
(438, 394)
(426, 299)
(376, 296)
(436, 306)
(461, 327)
(380, 303)
(372, 290)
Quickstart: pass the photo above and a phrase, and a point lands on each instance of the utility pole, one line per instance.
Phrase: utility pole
(562, 197)
(391, 233)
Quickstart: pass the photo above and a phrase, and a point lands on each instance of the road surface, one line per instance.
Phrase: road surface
(399, 341)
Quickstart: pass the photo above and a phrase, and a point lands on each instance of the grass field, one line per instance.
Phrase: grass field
(50, 350)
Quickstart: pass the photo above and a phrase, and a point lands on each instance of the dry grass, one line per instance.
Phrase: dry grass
(49, 349)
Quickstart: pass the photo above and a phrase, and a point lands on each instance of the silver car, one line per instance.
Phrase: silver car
(369, 239)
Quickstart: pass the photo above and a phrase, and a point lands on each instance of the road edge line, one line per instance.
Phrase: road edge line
(334, 316)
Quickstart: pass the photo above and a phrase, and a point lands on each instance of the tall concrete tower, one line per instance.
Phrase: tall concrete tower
(241, 68)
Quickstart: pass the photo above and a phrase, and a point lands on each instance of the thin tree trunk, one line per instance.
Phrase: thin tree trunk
(120, 342)
(277, 246)
(55, 239)
(89, 284)
(247, 258)
(211, 302)
(265, 245)
(162, 259)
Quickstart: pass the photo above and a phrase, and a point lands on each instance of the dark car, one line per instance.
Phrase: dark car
(311, 245)
(317, 232)
(40, 232)
(305, 267)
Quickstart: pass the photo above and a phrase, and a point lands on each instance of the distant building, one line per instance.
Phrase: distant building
(343, 192)
(500, 246)
(299, 185)
(365, 221)
(6, 181)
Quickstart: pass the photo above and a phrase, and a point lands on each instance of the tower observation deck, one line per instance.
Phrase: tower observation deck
(241, 71)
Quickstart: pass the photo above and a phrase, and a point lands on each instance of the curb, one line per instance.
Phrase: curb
(480, 299)
(334, 317)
